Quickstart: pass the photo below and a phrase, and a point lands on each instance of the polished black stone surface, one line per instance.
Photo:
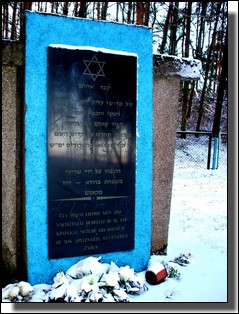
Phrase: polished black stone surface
(91, 149)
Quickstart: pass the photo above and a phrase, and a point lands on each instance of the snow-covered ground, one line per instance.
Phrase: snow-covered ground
(198, 225)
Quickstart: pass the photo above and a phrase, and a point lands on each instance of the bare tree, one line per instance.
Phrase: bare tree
(14, 13)
(5, 20)
(146, 13)
(139, 13)
(173, 29)
(165, 29)
(186, 83)
(52, 7)
(142, 13)
(65, 8)
(129, 12)
(98, 10)
(203, 93)
(104, 9)
(117, 11)
(83, 9)
(221, 90)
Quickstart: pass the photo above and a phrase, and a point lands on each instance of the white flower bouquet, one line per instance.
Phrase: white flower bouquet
(86, 281)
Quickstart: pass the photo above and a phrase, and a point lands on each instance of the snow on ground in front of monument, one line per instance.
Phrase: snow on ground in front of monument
(198, 224)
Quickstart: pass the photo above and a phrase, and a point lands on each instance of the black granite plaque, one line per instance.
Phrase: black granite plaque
(91, 151)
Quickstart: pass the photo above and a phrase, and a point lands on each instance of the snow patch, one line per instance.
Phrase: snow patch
(92, 48)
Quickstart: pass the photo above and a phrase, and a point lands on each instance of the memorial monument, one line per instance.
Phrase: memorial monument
(88, 159)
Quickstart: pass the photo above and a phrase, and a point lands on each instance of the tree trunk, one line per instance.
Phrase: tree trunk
(104, 10)
(153, 14)
(184, 108)
(28, 5)
(122, 6)
(75, 12)
(133, 14)
(5, 20)
(188, 27)
(146, 14)
(22, 13)
(117, 11)
(173, 30)
(57, 6)
(190, 101)
(186, 84)
(165, 29)
(201, 103)
(201, 32)
(83, 9)
(65, 8)
(221, 91)
(98, 10)
(13, 32)
(139, 13)
(130, 6)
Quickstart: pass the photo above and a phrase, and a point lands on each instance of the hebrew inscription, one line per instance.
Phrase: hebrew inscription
(91, 151)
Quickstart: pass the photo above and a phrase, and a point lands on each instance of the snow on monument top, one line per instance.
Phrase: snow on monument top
(171, 66)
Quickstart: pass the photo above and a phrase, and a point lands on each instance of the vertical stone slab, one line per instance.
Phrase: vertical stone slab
(43, 31)
(166, 93)
(168, 72)
(8, 169)
(12, 65)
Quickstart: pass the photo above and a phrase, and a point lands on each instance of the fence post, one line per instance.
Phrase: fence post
(215, 153)
(218, 148)
(209, 151)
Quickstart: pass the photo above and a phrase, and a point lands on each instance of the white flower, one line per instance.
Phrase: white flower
(5, 294)
(25, 288)
(13, 292)
(90, 265)
(71, 293)
(107, 297)
(95, 296)
(59, 292)
(114, 267)
(104, 268)
(86, 281)
(126, 273)
(41, 292)
(87, 266)
(120, 295)
(5, 291)
(111, 279)
(89, 283)
(59, 279)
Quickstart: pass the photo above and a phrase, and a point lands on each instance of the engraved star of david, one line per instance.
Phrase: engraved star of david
(94, 68)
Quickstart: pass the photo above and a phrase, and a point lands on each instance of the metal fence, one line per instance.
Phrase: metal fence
(201, 150)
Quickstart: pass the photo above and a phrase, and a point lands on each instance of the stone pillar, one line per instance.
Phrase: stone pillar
(168, 71)
(12, 96)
